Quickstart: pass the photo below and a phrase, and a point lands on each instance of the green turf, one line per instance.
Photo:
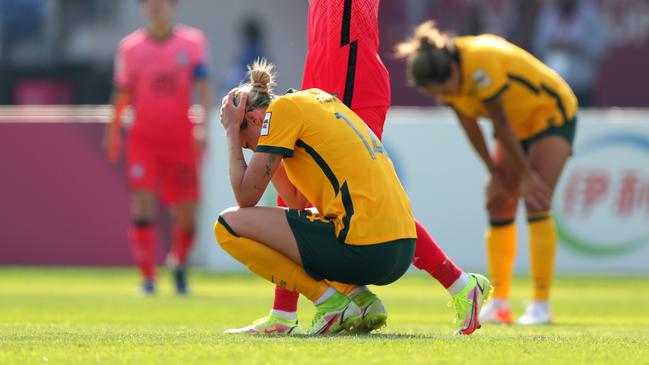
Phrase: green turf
(84, 316)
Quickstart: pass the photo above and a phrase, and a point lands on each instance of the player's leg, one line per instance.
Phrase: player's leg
(468, 291)
(547, 156)
(142, 174)
(179, 189)
(142, 235)
(261, 238)
(184, 217)
(500, 238)
(285, 302)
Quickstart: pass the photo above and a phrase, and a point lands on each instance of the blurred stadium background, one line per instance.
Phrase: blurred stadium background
(63, 204)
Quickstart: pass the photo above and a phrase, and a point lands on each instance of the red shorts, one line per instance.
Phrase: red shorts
(172, 171)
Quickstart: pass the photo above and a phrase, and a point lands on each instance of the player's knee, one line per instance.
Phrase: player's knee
(186, 221)
(223, 230)
(501, 206)
(142, 209)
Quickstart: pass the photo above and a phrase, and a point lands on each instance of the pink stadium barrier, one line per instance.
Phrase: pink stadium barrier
(61, 201)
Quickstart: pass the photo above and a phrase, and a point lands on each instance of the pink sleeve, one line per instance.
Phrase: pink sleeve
(201, 49)
(121, 77)
(201, 63)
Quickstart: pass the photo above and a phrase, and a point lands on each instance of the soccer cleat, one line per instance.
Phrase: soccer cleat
(373, 314)
(337, 313)
(148, 287)
(180, 280)
(496, 311)
(271, 325)
(468, 302)
(179, 273)
(537, 312)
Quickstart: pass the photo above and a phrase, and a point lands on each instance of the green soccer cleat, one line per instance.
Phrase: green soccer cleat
(337, 313)
(271, 325)
(373, 314)
(468, 302)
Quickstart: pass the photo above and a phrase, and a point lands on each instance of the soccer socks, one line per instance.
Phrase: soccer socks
(501, 252)
(285, 300)
(346, 289)
(543, 248)
(430, 258)
(268, 263)
(142, 235)
(182, 243)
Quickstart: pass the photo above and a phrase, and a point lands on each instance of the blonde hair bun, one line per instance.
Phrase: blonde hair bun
(262, 75)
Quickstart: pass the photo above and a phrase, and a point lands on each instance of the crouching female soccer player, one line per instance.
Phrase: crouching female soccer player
(533, 112)
(363, 231)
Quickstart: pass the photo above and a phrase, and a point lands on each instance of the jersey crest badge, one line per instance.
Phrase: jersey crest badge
(481, 78)
(182, 59)
(265, 126)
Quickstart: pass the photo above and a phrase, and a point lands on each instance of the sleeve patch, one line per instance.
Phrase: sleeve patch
(265, 127)
(481, 79)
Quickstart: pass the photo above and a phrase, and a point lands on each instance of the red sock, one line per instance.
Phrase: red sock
(285, 300)
(143, 243)
(182, 243)
(430, 258)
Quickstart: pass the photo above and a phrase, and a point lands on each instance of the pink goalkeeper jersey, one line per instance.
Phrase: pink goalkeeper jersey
(159, 75)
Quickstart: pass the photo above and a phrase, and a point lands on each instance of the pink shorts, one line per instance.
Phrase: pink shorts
(171, 171)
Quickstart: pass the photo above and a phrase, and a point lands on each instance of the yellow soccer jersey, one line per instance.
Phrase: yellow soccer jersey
(336, 161)
(534, 96)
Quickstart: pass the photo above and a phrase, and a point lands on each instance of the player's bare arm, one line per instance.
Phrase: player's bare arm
(474, 135)
(112, 139)
(248, 181)
(536, 192)
(206, 100)
(287, 191)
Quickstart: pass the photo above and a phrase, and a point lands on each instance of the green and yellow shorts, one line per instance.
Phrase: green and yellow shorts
(324, 257)
(566, 131)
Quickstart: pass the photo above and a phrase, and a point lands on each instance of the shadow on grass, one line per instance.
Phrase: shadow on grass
(373, 336)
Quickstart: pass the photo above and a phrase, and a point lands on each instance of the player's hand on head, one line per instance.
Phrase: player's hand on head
(232, 114)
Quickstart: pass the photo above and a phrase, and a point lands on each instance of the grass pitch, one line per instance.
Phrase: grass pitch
(92, 316)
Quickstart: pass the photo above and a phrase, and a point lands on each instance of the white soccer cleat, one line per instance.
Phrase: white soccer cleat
(537, 312)
(271, 325)
(496, 311)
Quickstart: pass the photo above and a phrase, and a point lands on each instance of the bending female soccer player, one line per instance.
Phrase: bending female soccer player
(533, 112)
(363, 231)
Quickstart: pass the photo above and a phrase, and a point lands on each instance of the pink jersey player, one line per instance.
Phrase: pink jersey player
(159, 74)
(155, 71)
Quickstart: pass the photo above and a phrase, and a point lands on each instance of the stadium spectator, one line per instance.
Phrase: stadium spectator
(252, 47)
(571, 38)
(523, 25)
(155, 71)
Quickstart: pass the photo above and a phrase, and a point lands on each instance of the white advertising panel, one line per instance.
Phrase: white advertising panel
(601, 204)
